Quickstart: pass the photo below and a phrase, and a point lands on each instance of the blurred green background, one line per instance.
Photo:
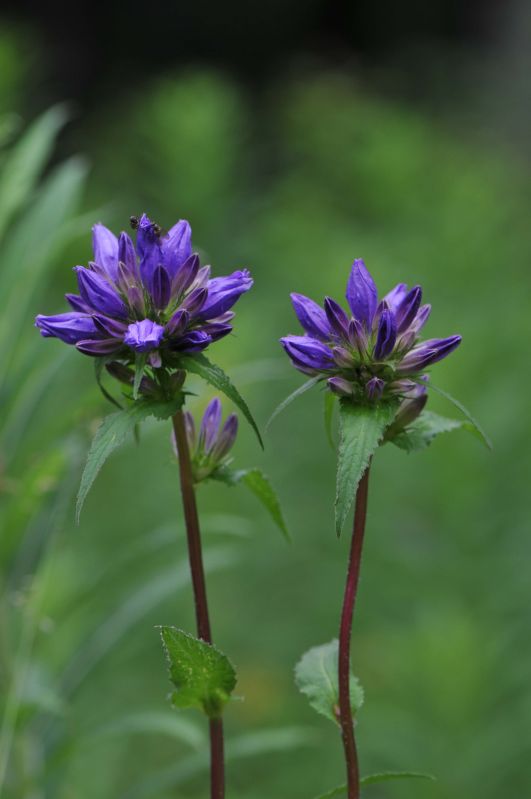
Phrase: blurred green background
(323, 166)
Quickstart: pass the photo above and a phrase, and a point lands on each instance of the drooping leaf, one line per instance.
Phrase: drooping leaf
(112, 432)
(260, 485)
(329, 405)
(466, 413)
(387, 776)
(99, 363)
(289, 399)
(203, 676)
(420, 433)
(316, 676)
(384, 776)
(200, 365)
(361, 430)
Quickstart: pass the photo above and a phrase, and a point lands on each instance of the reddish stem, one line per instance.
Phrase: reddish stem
(195, 555)
(349, 601)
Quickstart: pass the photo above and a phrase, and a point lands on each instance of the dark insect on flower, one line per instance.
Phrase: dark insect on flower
(374, 353)
(152, 298)
(209, 448)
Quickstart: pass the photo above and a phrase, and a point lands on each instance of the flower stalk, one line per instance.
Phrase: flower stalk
(195, 555)
(349, 600)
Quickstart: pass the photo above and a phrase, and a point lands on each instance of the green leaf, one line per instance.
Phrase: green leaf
(259, 484)
(329, 405)
(466, 413)
(420, 433)
(289, 399)
(384, 776)
(387, 776)
(316, 677)
(200, 365)
(203, 676)
(112, 432)
(361, 430)
(99, 363)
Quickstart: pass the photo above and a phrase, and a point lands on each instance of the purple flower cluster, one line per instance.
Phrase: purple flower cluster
(209, 448)
(154, 298)
(375, 352)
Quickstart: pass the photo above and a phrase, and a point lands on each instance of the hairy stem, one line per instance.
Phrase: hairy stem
(195, 555)
(349, 600)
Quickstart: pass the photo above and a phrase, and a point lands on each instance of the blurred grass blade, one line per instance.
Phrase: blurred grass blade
(459, 405)
(156, 722)
(136, 607)
(289, 399)
(25, 162)
(251, 744)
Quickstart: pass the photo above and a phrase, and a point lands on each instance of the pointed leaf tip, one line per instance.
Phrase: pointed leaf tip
(213, 374)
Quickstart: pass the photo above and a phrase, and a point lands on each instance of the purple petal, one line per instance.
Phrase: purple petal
(224, 291)
(406, 311)
(362, 295)
(395, 296)
(97, 347)
(77, 303)
(428, 352)
(149, 249)
(217, 330)
(127, 254)
(210, 424)
(308, 353)
(99, 294)
(226, 438)
(68, 327)
(386, 338)
(343, 357)
(195, 301)
(194, 341)
(160, 288)
(357, 336)
(311, 316)
(337, 318)
(340, 386)
(185, 276)
(144, 336)
(178, 323)
(105, 246)
(374, 388)
(420, 319)
(177, 246)
(110, 327)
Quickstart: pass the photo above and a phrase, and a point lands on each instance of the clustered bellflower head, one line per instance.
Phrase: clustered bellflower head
(210, 447)
(374, 353)
(153, 299)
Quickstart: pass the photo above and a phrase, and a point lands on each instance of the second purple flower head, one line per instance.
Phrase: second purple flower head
(372, 352)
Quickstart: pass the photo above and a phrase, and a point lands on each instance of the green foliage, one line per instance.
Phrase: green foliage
(420, 433)
(316, 676)
(330, 402)
(293, 396)
(200, 365)
(260, 485)
(361, 429)
(473, 425)
(203, 676)
(112, 432)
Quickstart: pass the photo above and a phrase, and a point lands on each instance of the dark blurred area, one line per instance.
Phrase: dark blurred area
(294, 136)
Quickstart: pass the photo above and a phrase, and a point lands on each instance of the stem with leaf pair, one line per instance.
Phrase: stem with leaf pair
(349, 600)
(193, 533)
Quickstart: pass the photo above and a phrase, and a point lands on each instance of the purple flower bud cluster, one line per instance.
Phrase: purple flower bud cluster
(373, 353)
(154, 298)
(210, 446)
